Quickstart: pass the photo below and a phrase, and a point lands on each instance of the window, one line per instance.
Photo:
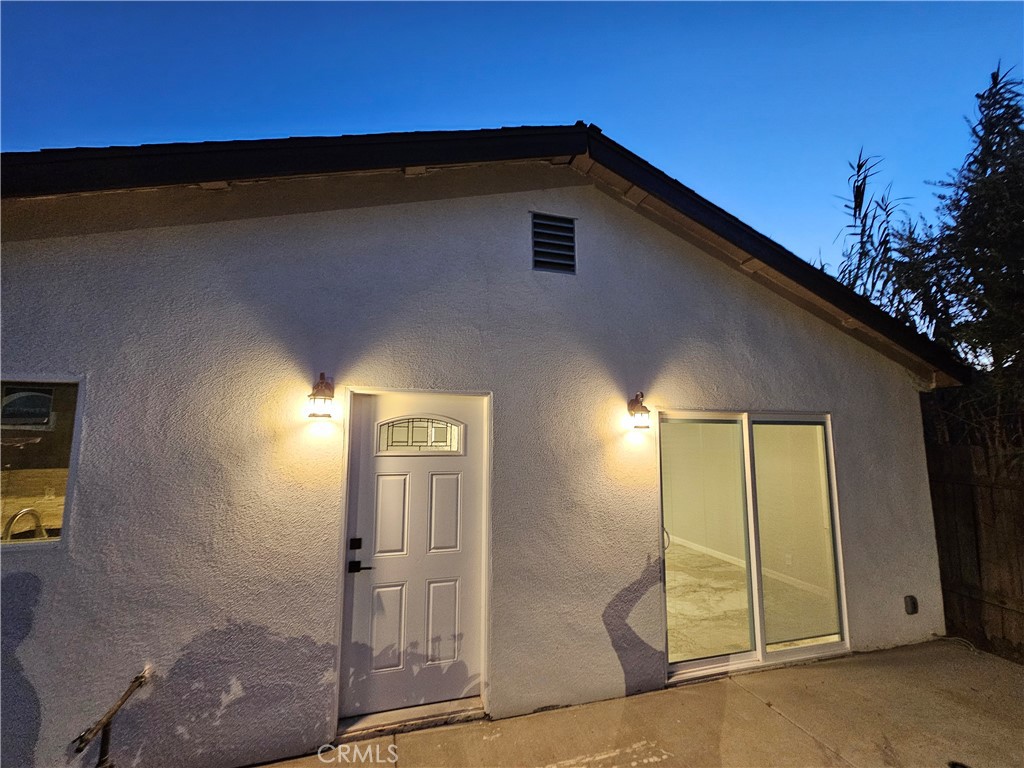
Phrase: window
(413, 435)
(37, 425)
(554, 243)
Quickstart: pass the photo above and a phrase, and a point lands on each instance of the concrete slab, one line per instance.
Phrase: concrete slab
(379, 752)
(924, 705)
(927, 704)
(713, 724)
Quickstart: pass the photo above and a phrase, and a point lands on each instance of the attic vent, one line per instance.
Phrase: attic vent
(554, 243)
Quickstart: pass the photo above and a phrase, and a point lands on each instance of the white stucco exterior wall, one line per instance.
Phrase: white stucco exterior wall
(207, 513)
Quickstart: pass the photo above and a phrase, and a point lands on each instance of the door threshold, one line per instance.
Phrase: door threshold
(409, 719)
(680, 674)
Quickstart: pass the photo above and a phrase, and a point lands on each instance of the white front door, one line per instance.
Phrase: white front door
(414, 551)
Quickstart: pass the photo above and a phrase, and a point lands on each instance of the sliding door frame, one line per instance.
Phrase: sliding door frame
(760, 656)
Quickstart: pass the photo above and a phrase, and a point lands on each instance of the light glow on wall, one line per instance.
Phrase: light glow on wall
(323, 429)
(630, 435)
(629, 456)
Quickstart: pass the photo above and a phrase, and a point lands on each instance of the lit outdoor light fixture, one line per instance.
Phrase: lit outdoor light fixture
(641, 413)
(321, 399)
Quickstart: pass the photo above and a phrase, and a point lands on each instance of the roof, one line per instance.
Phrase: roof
(67, 171)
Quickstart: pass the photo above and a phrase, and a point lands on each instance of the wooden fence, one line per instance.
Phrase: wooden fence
(979, 526)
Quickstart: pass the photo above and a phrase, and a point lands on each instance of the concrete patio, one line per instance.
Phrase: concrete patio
(924, 705)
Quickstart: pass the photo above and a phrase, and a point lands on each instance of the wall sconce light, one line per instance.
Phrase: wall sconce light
(641, 413)
(321, 399)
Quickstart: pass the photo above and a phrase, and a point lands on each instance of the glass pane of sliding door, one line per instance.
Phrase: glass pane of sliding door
(797, 545)
(710, 607)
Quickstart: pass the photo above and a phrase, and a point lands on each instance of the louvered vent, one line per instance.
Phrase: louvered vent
(554, 243)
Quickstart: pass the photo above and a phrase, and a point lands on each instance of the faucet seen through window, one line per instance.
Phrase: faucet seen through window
(37, 423)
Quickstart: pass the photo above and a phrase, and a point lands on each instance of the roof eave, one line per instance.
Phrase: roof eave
(71, 171)
(68, 171)
(944, 368)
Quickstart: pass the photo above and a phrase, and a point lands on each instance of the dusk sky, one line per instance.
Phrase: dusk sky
(758, 107)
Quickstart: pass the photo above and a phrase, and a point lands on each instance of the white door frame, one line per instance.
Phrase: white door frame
(348, 397)
(760, 657)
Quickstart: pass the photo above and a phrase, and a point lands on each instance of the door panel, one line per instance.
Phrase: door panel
(798, 570)
(387, 637)
(392, 511)
(443, 620)
(707, 572)
(445, 510)
(412, 629)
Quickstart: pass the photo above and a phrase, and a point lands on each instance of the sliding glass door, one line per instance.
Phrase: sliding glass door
(750, 547)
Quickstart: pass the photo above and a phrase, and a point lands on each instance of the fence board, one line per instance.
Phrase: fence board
(979, 529)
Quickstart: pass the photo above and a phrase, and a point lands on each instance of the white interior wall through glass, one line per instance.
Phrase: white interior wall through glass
(713, 552)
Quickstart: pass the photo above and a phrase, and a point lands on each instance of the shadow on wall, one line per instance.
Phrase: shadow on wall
(643, 666)
(19, 727)
(235, 696)
(420, 679)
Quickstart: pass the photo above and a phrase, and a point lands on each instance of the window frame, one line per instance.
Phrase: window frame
(11, 548)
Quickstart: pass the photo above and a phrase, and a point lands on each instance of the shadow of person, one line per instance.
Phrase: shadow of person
(643, 666)
(19, 727)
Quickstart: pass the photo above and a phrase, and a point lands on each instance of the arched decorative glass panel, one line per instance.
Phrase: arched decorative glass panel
(412, 435)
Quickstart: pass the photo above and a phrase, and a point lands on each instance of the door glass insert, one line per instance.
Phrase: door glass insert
(419, 434)
(707, 572)
(794, 512)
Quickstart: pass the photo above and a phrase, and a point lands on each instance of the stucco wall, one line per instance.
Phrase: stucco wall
(207, 513)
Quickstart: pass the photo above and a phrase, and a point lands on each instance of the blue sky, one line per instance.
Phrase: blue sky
(757, 106)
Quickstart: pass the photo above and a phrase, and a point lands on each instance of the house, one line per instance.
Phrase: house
(484, 509)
